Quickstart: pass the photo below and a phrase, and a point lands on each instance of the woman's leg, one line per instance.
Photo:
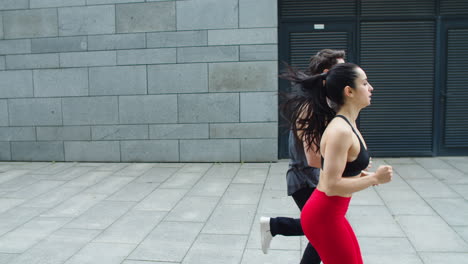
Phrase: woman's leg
(357, 249)
(324, 224)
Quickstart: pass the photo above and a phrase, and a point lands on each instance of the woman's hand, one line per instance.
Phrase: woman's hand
(384, 174)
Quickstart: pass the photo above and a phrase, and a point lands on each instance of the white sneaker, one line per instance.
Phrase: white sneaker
(265, 234)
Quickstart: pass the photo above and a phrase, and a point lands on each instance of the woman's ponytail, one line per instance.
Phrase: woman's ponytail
(307, 110)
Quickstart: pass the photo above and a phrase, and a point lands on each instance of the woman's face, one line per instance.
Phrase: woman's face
(363, 89)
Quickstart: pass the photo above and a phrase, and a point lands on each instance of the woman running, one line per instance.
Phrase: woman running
(325, 110)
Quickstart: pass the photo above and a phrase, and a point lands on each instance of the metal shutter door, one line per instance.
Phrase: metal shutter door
(398, 58)
(397, 7)
(305, 44)
(453, 7)
(318, 8)
(456, 107)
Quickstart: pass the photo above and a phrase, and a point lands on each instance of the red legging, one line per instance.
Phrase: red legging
(324, 224)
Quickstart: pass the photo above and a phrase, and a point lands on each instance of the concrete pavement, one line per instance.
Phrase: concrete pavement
(197, 213)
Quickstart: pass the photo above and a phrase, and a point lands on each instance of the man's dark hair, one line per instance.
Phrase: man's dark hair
(324, 59)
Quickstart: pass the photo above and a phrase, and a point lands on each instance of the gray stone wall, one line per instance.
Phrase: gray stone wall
(138, 81)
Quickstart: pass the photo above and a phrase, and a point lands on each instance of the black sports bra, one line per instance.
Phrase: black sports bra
(355, 167)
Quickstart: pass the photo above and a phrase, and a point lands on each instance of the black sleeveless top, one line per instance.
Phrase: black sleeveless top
(300, 175)
(355, 167)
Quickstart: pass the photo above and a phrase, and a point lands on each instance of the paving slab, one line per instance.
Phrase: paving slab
(194, 213)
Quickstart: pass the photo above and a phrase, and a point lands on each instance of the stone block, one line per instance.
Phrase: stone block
(60, 44)
(249, 15)
(199, 209)
(145, 220)
(439, 257)
(259, 107)
(2, 63)
(213, 150)
(259, 150)
(244, 130)
(35, 112)
(3, 113)
(30, 23)
(92, 151)
(114, 42)
(243, 76)
(37, 229)
(178, 78)
(88, 59)
(100, 2)
(216, 14)
(55, 3)
(5, 151)
(102, 215)
(87, 20)
(169, 241)
(179, 131)
(60, 245)
(102, 253)
(146, 56)
(148, 109)
(61, 133)
(37, 151)
(206, 248)
(150, 151)
(14, 4)
(231, 219)
(90, 110)
(32, 61)
(243, 36)
(17, 134)
(442, 237)
(177, 39)
(258, 52)
(16, 84)
(122, 132)
(205, 108)
(146, 17)
(1, 26)
(208, 54)
(15, 46)
(61, 82)
(120, 80)
(453, 210)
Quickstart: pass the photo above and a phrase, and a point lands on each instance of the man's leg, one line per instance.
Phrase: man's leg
(310, 256)
(286, 226)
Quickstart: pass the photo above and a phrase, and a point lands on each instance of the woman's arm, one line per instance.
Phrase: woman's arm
(338, 142)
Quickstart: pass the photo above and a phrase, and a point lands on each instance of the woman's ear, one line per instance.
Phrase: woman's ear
(348, 91)
(325, 70)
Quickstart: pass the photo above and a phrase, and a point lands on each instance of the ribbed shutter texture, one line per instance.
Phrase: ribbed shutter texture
(305, 44)
(316, 8)
(398, 58)
(397, 7)
(456, 120)
(453, 7)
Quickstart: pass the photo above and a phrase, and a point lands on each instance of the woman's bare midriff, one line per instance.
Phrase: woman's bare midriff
(321, 188)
